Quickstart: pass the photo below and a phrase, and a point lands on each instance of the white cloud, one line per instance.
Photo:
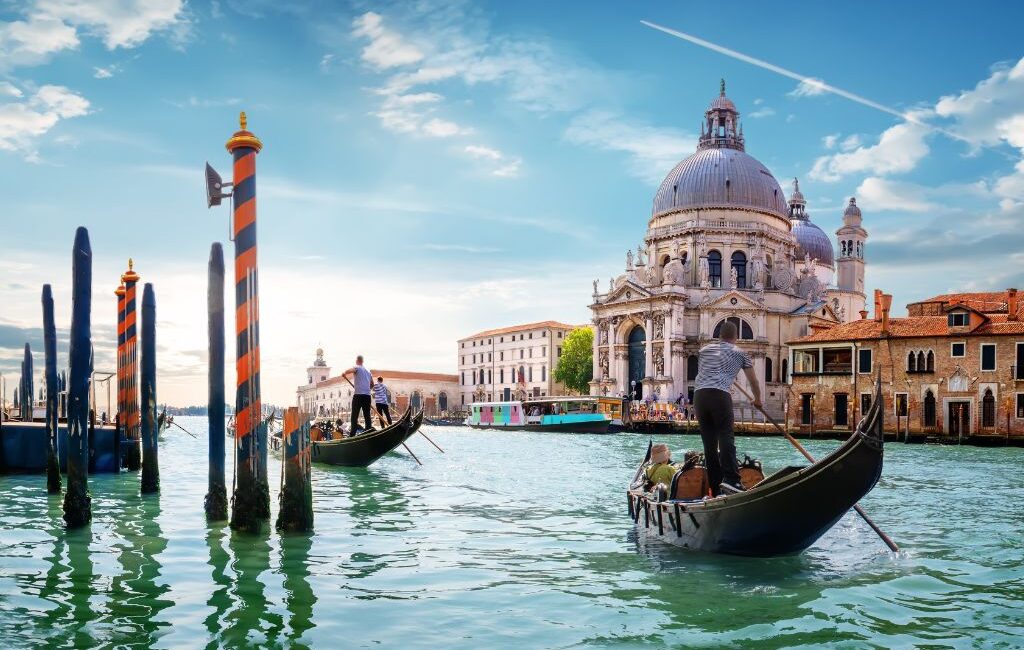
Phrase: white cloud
(205, 102)
(387, 49)
(829, 141)
(850, 143)
(652, 151)
(809, 88)
(325, 62)
(31, 41)
(8, 89)
(899, 149)
(506, 168)
(120, 23)
(877, 194)
(24, 121)
(767, 111)
(438, 128)
(104, 73)
(479, 151)
(510, 170)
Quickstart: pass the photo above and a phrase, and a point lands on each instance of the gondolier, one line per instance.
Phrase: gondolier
(719, 364)
(380, 399)
(361, 382)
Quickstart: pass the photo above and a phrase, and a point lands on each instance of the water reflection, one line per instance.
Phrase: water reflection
(137, 595)
(251, 618)
(299, 596)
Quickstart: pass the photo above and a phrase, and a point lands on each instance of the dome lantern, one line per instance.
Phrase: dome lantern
(852, 216)
(721, 126)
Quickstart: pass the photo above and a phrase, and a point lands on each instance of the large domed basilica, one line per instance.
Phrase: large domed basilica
(723, 243)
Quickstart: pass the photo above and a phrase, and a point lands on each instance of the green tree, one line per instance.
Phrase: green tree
(576, 365)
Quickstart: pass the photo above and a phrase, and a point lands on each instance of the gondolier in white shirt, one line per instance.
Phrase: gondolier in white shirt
(719, 364)
(380, 399)
(361, 382)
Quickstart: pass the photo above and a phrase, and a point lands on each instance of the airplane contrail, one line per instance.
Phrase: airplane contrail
(804, 79)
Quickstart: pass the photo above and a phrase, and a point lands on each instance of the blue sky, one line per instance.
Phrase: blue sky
(431, 169)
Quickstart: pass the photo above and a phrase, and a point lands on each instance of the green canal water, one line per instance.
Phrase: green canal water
(511, 540)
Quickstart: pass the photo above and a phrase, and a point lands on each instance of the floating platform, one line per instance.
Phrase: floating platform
(24, 446)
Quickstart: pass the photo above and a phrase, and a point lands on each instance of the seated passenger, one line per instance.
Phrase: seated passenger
(661, 468)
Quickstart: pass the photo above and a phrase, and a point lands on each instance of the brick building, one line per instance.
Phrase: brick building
(953, 367)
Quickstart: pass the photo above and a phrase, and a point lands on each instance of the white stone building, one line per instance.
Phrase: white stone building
(722, 243)
(324, 395)
(509, 362)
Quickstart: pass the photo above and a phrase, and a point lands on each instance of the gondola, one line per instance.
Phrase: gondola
(781, 515)
(366, 448)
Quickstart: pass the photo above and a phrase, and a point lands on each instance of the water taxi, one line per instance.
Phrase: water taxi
(565, 414)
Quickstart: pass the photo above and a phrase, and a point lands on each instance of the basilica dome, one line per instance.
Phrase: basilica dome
(810, 239)
(720, 174)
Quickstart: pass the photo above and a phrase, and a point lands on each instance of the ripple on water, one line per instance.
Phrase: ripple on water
(511, 539)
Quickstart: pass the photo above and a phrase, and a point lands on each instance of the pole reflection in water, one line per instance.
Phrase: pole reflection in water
(138, 593)
(220, 598)
(252, 618)
(299, 596)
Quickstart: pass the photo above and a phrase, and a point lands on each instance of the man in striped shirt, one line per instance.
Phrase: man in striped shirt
(719, 363)
(380, 399)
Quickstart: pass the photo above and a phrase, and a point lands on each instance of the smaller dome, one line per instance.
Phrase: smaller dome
(852, 210)
(812, 240)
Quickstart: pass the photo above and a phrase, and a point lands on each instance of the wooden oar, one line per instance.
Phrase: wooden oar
(860, 511)
(380, 419)
(183, 428)
(420, 431)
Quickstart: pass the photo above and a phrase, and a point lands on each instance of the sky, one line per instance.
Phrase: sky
(431, 169)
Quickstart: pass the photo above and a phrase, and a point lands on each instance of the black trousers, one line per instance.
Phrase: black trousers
(382, 409)
(360, 403)
(714, 415)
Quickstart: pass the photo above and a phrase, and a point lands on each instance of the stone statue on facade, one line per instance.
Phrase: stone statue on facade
(659, 328)
(734, 278)
(595, 287)
(629, 260)
(757, 264)
(652, 276)
(659, 363)
(604, 364)
(705, 273)
(611, 285)
(640, 257)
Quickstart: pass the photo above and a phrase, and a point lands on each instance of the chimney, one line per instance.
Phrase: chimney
(878, 304)
(1011, 304)
(863, 314)
(886, 304)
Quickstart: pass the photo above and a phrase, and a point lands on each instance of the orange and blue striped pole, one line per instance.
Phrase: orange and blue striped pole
(251, 502)
(131, 370)
(119, 417)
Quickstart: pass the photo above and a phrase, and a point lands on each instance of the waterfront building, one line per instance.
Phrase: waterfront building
(324, 395)
(953, 367)
(511, 362)
(722, 243)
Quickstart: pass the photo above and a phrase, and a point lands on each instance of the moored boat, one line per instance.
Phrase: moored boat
(555, 414)
(365, 448)
(782, 514)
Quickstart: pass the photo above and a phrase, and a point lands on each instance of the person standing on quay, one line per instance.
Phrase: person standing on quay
(380, 399)
(720, 362)
(361, 382)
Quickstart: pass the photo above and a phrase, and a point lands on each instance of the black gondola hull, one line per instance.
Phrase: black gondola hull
(367, 448)
(782, 515)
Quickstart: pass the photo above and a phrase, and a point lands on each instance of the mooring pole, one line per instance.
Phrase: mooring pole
(296, 513)
(52, 392)
(251, 500)
(28, 388)
(77, 502)
(119, 431)
(132, 423)
(216, 493)
(150, 464)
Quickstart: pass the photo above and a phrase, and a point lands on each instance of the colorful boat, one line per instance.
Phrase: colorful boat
(564, 414)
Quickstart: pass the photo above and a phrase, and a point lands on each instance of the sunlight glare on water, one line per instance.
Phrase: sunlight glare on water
(511, 539)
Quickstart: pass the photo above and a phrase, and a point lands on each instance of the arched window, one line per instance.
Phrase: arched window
(930, 362)
(665, 259)
(785, 370)
(743, 328)
(920, 361)
(929, 408)
(768, 370)
(988, 409)
(715, 268)
(911, 362)
(739, 263)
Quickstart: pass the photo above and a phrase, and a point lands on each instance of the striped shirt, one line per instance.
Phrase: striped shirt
(380, 393)
(719, 363)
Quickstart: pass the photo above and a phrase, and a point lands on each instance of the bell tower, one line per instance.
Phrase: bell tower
(852, 238)
(319, 371)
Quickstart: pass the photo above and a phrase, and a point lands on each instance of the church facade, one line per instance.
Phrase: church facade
(723, 243)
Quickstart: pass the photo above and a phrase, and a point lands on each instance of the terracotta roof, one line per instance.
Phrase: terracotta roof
(544, 324)
(913, 327)
(984, 301)
(389, 375)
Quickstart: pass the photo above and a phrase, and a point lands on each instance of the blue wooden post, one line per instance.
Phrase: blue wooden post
(147, 364)
(27, 386)
(296, 513)
(216, 494)
(52, 392)
(63, 394)
(77, 502)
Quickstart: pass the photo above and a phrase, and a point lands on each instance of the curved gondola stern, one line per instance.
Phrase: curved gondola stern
(639, 470)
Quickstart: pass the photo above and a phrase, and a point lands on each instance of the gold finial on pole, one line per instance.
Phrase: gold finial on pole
(242, 137)
(242, 122)
(131, 264)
